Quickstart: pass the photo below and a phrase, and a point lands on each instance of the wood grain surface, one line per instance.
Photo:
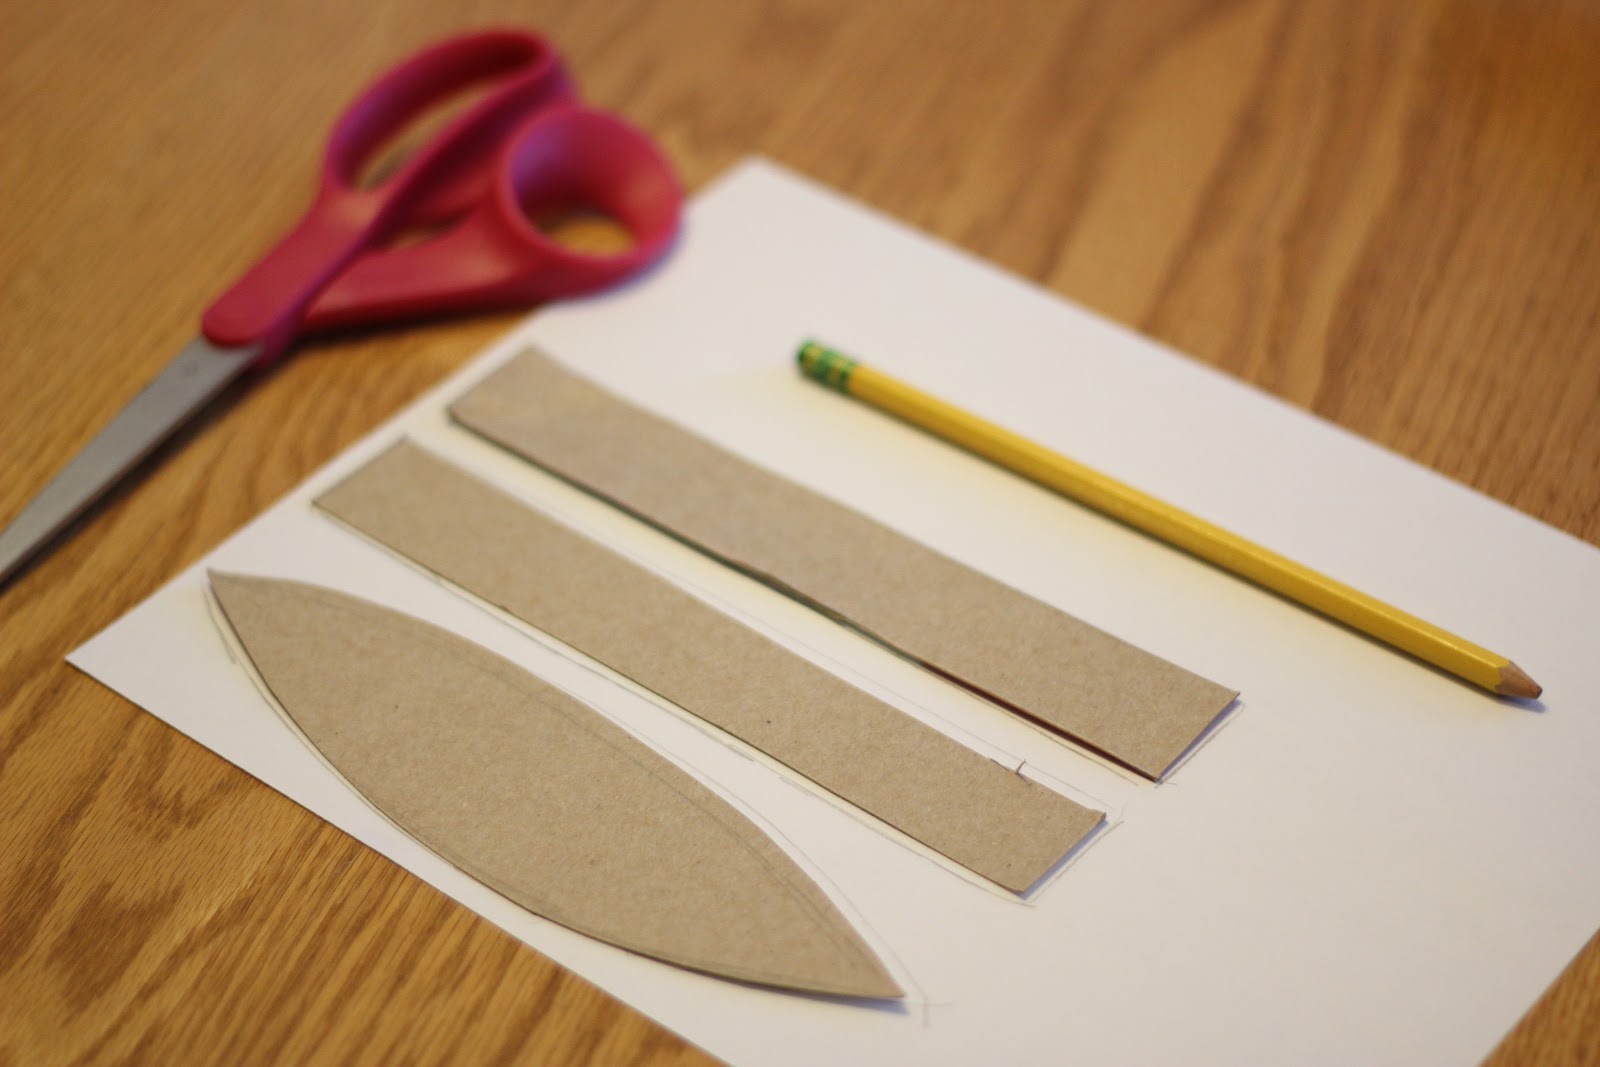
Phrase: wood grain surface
(1386, 213)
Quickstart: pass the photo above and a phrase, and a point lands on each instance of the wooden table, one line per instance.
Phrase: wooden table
(1386, 213)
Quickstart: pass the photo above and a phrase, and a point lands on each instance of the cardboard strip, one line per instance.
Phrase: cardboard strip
(981, 815)
(539, 797)
(1102, 692)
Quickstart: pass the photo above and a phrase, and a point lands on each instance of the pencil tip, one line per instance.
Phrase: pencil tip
(1514, 682)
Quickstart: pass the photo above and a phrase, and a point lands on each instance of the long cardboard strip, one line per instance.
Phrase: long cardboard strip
(539, 797)
(1100, 691)
(967, 807)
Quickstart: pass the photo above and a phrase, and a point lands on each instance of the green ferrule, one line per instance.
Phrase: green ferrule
(826, 366)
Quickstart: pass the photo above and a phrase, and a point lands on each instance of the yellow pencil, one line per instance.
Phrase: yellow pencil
(1172, 525)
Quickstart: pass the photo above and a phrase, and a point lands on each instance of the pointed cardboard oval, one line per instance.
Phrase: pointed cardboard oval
(539, 797)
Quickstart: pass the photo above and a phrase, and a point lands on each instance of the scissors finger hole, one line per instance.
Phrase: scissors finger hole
(589, 183)
(583, 229)
(400, 144)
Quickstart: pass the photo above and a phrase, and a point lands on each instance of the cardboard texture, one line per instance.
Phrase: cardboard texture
(1376, 856)
(983, 816)
(539, 797)
(1102, 692)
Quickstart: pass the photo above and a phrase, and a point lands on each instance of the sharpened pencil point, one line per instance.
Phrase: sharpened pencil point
(1514, 682)
(1194, 535)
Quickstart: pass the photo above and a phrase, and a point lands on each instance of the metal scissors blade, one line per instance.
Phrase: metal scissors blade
(519, 145)
(259, 316)
(200, 372)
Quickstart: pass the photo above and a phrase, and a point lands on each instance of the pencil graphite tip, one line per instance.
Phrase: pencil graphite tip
(1514, 682)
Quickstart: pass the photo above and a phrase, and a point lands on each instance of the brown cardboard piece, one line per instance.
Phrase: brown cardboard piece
(963, 805)
(1132, 706)
(540, 798)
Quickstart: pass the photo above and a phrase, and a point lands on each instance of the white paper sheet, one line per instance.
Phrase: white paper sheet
(1370, 863)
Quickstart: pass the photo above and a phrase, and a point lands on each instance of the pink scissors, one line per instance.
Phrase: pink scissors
(524, 148)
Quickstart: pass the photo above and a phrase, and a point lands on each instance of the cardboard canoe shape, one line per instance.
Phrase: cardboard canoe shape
(538, 796)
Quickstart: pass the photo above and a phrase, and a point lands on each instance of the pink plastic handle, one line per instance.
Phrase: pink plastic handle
(568, 157)
(266, 305)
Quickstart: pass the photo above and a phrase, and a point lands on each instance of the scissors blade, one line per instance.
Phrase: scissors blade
(192, 380)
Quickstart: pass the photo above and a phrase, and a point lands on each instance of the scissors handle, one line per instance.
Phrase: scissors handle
(524, 72)
(568, 157)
